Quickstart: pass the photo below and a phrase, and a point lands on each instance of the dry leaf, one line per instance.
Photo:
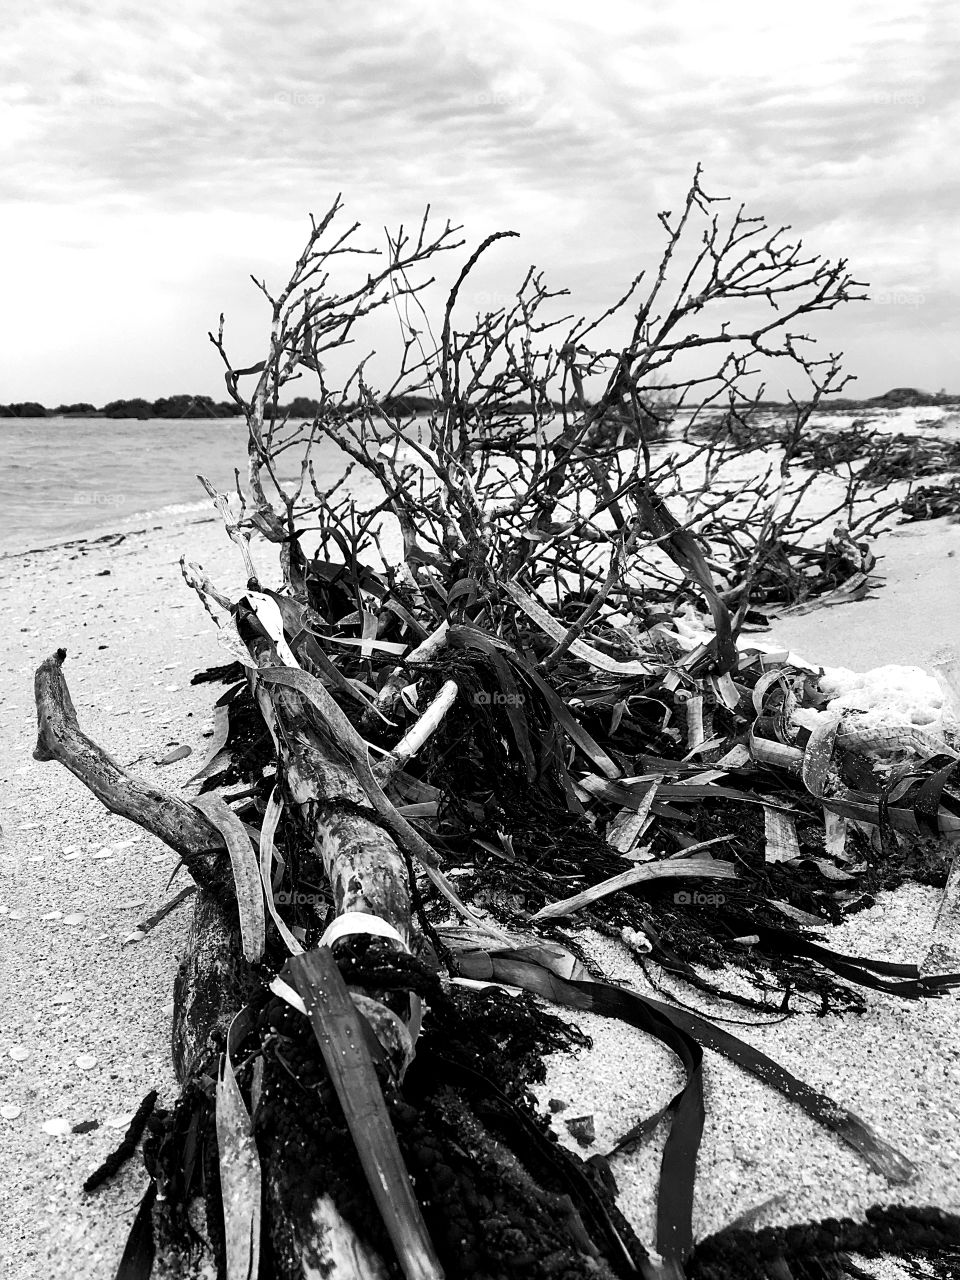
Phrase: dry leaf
(780, 832)
(240, 1177)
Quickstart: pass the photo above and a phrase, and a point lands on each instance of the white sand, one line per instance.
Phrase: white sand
(905, 621)
(71, 989)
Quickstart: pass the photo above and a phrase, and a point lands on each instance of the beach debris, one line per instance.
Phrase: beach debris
(246, 872)
(835, 835)
(119, 1120)
(943, 953)
(136, 1124)
(337, 1027)
(56, 1127)
(679, 869)
(85, 1126)
(86, 1061)
(636, 940)
(219, 734)
(931, 501)
(18, 1052)
(240, 1175)
(178, 753)
(751, 1216)
(781, 836)
(144, 926)
(556, 670)
(10, 1110)
(582, 1128)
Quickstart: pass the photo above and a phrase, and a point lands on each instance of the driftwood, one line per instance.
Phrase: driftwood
(367, 875)
(369, 881)
(165, 815)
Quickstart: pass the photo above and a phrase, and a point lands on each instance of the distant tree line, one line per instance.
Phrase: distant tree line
(166, 407)
(184, 406)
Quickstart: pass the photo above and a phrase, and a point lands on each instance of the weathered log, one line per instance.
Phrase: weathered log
(175, 821)
(212, 984)
(325, 1245)
(208, 989)
(308, 1237)
(366, 870)
(213, 977)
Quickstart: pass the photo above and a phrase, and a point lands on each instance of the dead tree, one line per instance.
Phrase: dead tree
(527, 545)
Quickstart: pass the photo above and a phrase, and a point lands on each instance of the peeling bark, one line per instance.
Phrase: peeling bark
(208, 989)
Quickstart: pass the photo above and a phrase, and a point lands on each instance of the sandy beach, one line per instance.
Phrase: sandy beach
(85, 1020)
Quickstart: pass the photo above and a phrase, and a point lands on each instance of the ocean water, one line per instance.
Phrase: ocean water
(62, 478)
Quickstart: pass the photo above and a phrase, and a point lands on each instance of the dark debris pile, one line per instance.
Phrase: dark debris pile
(743, 833)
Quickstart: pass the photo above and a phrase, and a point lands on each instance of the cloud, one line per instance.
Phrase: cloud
(574, 127)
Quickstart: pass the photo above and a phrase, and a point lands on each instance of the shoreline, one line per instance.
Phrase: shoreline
(112, 534)
(86, 495)
(74, 879)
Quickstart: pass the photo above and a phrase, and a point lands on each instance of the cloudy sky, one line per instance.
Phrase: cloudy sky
(155, 155)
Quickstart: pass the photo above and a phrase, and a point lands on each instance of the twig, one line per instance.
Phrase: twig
(418, 735)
